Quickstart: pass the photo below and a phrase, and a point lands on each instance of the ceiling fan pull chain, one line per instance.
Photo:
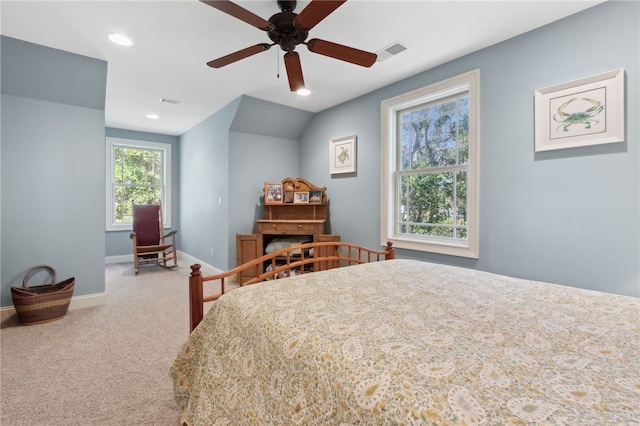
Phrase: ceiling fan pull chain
(278, 63)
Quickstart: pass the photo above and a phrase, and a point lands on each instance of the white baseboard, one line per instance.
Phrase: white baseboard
(77, 302)
(183, 258)
(125, 258)
(190, 260)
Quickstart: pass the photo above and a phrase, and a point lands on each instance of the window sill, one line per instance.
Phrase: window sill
(448, 248)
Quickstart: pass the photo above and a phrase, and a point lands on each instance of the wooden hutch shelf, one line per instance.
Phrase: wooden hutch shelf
(284, 217)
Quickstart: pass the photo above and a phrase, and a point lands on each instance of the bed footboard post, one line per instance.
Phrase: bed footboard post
(196, 296)
(391, 253)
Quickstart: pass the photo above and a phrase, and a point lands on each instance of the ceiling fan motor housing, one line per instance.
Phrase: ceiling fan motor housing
(286, 34)
(287, 5)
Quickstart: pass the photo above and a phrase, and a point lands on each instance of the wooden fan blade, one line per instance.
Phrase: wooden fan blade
(294, 71)
(343, 53)
(241, 13)
(240, 54)
(315, 12)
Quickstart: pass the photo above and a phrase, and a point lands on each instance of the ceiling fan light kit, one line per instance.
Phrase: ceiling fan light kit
(287, 30)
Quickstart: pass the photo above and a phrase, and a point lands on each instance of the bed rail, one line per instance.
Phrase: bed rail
(326, 255)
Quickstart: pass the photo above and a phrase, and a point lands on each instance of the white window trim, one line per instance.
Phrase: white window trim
(166, 205)
(470, 82)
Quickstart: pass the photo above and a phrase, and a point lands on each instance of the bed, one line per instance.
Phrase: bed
(409, 342)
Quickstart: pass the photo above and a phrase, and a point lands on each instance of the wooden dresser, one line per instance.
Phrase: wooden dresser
(286, 215)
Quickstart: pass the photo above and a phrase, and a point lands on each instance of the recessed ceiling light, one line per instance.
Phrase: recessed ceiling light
(153, 116)
(120, 39)
(303, 92)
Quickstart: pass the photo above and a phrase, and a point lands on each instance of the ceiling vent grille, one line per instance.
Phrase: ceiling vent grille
(390, 51)
(168, 101)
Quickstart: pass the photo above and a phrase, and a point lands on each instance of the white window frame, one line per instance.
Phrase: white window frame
(112, 143)
(468, 82)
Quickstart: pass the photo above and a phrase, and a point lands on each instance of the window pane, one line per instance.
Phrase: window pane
(405, 147)
(441, 141)
(435, 135)
(428, 199)
(461, 198)
(461, 233)
(138, 166)
(420, 115)
(433, 231)
(463, 137)
(125, 196)
(138, 179)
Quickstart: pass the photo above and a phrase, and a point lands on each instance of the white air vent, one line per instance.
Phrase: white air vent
(168, 101)
(390, 51)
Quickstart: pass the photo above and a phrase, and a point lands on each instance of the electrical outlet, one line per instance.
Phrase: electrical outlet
(211, 251)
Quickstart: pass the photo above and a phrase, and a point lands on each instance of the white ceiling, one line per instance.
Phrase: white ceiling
(173, 41)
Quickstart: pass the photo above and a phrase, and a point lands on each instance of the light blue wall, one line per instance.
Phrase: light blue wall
(264, 138)
(354, 199)
(225, 161)
(204, 178)
(275, 158)
(569, 216)
(53, 165)
(118, 243)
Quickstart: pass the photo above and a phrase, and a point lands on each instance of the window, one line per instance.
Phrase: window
(140, 172)
(430, 163)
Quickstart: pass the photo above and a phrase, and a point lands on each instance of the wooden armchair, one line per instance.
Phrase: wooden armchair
(149, 241)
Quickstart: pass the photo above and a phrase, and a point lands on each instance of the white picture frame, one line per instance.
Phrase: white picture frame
(588, 111)
(342, 155)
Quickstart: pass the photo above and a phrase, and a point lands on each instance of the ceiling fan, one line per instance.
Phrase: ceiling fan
(287, 30)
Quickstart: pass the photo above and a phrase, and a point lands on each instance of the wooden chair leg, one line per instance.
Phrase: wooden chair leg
(135, 256)
(173, 253)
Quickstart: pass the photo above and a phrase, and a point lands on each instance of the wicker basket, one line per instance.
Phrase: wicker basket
(42, 303)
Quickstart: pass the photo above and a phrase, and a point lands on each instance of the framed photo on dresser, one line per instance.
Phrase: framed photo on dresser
(315, 197)
(273, 193)
(301, 197)
(288, 197)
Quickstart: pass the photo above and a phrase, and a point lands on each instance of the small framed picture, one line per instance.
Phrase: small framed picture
(301, 197)
(288, 197)
(315, 196)
(273, 192)
(342, 155)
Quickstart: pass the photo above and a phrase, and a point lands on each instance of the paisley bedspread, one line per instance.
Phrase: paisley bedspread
(407, 342)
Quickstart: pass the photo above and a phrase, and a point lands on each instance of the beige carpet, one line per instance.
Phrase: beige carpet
(106, 365)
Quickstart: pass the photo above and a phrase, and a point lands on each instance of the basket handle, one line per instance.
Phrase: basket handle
(35, 268)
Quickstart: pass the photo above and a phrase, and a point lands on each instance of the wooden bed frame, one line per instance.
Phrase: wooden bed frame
(326, 255)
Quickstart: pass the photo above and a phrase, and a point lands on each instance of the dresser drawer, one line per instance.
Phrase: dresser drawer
(291, 228)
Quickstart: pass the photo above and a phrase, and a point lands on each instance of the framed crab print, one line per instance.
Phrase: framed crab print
(342, 155)
(588, 111)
